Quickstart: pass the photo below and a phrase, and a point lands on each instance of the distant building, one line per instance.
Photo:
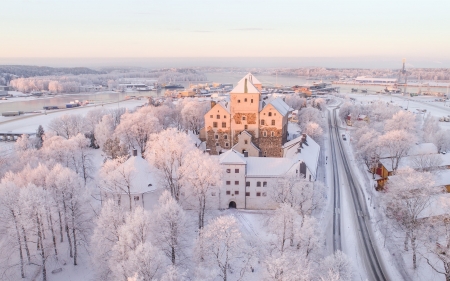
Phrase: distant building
(372, 80)
(247, 123)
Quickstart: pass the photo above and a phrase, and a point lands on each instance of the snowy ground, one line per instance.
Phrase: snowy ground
(29, 123)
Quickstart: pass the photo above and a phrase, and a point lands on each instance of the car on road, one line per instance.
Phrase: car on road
(343, 137)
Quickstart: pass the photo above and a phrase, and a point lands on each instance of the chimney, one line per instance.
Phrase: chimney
(134, 152)
(299, 150)
(245, 86)
(245, 153)
(213, 103)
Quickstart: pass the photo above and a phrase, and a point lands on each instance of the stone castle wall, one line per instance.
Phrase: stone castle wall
(271, 145)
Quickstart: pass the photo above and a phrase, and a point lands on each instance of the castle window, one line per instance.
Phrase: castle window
(210, 116)
(243, 117)
(262, 122)
(216, 137)
(214, 124)
(258, 193)
(247, 194)
(218, 116)
(239, 101)
(258, 184)
(226, 144)
(225, 137)
(251, 100)
(265, 134)
(236, 192)
(265, 184)
(245, 142)
(272, 134)
(270, 113)
(245, 100)
(217, 144)
(274, 114)
(245, 127)
(224, 124)
(224, 117)
(228, 192)
(236, 182)
(236, 171)
(247, 183)
(228, 171)
(273, 122)
(228, 182)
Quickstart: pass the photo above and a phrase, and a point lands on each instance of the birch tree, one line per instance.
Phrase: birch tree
(170, 227)
(222, 249)
(203, 175)
(168, 152)
(407, 197)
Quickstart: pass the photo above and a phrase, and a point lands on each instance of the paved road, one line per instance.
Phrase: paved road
(367, 250)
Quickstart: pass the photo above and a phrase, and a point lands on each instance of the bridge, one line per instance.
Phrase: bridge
(12, 136)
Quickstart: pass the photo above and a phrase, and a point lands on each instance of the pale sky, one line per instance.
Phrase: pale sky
(225, 28)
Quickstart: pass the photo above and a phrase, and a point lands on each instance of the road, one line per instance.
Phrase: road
(355, 209)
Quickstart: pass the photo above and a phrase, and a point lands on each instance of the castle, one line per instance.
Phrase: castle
(247, 123)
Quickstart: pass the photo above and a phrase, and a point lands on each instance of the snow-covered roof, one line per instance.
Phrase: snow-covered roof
(240, 88)
(439, 205)
(268, 166)
(423, 148)
(251, 78)
(231, 157)
(280, 106)
(225, 105)
(417, 149)
(443, 178)
(308, 154)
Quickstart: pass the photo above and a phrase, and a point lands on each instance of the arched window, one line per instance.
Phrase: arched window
(258, 184)
(270, 113)
(243, 117)
(245, 100)
(262, 122)
(273, 122)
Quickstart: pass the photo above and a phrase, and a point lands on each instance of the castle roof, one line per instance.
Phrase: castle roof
(280, 106)
(251, 78)
(245, 86)
(231, 157)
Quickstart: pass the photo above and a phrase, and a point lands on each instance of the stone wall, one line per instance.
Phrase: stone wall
(251, 132)
(271, 145)
(250, 118)
(211, 140)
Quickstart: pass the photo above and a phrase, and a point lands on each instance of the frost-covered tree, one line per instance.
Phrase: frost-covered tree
(337, 267)
(430, 127)
(104, 130)
(193, 114)
(396, 144)
(369, 149)
(81, 157)
(10, 211)
(402, 120)
(221, 249)
(114, 149)
(169, 233)
(313, 130)
(309, 114)
(116, 176)
(168, 152)
(203, 175)
(106, 235)
(67, 126)
(442, 140)
(296, 102)
(407, 197)
(302, 195)
(135, 129)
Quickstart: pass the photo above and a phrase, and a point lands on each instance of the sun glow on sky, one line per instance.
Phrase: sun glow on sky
(232, 28)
